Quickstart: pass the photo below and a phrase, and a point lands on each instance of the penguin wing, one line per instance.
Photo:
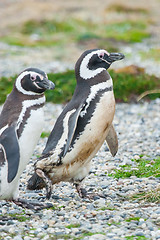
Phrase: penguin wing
(72, 124)
(10, 148)
(112, 141)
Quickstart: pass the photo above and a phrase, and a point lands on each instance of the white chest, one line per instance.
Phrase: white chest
(30, 136)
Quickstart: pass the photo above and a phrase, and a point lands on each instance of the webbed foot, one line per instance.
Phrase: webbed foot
(32, 204)
(84, 194)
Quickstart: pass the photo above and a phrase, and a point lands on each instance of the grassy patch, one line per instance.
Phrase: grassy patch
(127, 31)
(106, 208)
(133, 219)
(62, 33)
(47, 27)
(44, 134)
(17, 216)
(126, 85)
(73, 226)
(135, 237)
(114, 223)
(145, 168)
(153, 54)
(65, 85)
(150, 196)
(121, 8)
(86, 234)
(63, 236)
(6, 85)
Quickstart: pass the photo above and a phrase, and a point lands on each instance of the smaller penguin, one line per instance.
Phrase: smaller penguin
(82, 127)
(21, 123)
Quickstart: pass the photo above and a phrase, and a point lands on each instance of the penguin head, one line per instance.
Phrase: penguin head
(33, 81)
(93, 62)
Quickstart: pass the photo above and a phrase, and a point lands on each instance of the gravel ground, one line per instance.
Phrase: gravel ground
(112, 217)
(24, 57)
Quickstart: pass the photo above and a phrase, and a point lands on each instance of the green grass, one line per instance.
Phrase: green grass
(133, 219)
(152, 53)
(106, 208)
(73, 226)
(6, 85)
(136, 238)
(44, 134)
(18, 216)
(144, 169)
(114, 223)
(125, 86)
(127, 31)
(62, 33)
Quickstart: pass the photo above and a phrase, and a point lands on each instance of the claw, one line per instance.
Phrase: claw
(48, 182)
(84, 194)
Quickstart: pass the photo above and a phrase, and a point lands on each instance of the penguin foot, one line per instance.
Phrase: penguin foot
(31, 204)
(84, 194)
(47, 181)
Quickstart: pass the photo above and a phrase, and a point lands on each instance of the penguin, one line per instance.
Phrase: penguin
(82, 127)
(21, 123)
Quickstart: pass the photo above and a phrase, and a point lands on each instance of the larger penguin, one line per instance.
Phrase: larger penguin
(82, 127)
(21, 123)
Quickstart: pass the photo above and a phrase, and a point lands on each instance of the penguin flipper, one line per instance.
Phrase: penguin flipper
(112, 140)
(72, 124)
(10, 147)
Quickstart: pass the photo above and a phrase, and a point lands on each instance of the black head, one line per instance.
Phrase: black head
(33, 81)
(92, 62)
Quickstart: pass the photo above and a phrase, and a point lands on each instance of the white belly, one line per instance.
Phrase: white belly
(76, 163)
(27, 143)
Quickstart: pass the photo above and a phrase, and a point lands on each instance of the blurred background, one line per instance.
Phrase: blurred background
(51, 35)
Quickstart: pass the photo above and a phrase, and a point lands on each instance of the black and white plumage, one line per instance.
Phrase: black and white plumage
(82, 127)
(21, 123)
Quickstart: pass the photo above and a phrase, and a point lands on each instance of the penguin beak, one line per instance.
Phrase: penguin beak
(115, 57)
(46, 84)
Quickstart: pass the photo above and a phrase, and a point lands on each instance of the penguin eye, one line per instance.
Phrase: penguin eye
(33, 78)
(100, 56)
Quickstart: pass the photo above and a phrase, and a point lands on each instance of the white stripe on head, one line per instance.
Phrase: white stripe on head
(19, 86)
(93, 91)
(85, 72)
